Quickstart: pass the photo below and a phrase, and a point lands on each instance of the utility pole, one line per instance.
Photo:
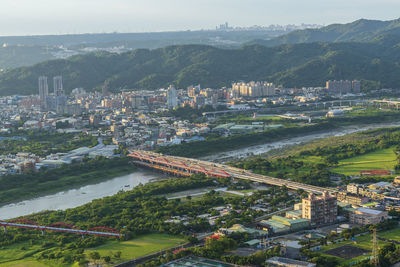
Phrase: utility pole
(375, 258)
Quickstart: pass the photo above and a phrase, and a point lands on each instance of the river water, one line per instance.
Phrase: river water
(264, 148)
(77, 197)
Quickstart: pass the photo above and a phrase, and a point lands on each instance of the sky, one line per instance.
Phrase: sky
(31, 17)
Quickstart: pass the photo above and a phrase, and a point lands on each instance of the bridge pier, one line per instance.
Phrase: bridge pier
(5, 229)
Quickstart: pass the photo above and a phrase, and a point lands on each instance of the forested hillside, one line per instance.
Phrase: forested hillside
(290, 65)
(358, 31)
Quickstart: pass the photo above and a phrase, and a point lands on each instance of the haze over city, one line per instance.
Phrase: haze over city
(218, 133)
(26, 17)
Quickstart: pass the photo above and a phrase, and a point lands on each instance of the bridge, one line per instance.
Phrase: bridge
(186, 167)
(60, 227)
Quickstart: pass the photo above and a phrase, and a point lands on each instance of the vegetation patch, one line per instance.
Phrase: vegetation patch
(138, 247)
(33, 184)
(380, 159)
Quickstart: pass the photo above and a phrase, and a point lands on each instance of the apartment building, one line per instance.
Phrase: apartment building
(320, 209)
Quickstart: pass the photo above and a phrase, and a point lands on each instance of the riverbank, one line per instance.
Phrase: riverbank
(17, 188)
(73, 198)
(224, 144)
(217, 145)
(56, 191)
(280, 147)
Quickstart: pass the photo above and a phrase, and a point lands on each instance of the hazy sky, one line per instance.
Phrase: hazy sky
(27, 17)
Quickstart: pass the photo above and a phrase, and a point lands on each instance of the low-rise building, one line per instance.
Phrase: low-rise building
(376, 172)
(352, 199)
(279, 261)
(364, 216)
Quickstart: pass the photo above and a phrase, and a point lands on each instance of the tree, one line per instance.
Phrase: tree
(117, 254)
(94, 255)
(107, 259)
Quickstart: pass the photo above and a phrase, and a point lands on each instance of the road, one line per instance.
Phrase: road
(181, 165)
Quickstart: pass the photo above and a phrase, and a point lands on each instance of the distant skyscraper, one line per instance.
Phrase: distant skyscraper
(172, 97)
(104, 90)
(43, 91)
(58, 86)
(356, 86)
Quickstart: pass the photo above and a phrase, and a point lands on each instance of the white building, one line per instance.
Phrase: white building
(172, 97)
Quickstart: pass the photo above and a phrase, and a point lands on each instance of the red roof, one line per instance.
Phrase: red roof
(376, 172)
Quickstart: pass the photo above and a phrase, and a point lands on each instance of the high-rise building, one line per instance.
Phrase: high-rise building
(58, 86)
(104, 90)
(43, 91)
(172, 97)
(356, 86)
(137, 101)
(214, 100)
(253, 89)
(343, 87)
(193, 90)
(320, 209)
(199, 101)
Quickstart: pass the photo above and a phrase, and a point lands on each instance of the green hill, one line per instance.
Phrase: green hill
(291, 65)
(358, 31)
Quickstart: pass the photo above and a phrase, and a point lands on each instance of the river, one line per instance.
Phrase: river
(264, 148)
(76, 197)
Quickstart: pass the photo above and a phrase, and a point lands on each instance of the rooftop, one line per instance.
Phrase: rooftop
(369, 211)
(289, 262)
(197, 262)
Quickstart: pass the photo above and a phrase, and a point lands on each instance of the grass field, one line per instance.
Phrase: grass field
(23, 254)
(23, 263)
(381, 159)
(139, 246)
(364, 242)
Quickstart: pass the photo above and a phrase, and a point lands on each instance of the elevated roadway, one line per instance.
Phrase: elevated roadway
(187, 166)
(60, 227)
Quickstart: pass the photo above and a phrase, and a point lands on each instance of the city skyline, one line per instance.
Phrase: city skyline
(22, 17)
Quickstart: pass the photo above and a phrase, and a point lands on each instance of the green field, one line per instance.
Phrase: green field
(380, 159)
(23, 254)
(364, 242)
(23, 263)
(139, 246)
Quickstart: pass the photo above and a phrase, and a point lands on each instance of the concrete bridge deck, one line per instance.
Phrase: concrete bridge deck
(187, 166)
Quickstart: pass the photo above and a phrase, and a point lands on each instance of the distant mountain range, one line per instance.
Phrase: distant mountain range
(290, 65)
(358, 31)
(372, 55)
(17, 51)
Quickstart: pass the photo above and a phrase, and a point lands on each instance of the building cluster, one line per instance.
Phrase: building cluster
(273, 27)
(253, 89)
(370, 203)
(23, 162)
(380, 191)
(56, 101)
(343, 87)
(140, 119)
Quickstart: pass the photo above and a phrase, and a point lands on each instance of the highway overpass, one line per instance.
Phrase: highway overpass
(187, 166)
